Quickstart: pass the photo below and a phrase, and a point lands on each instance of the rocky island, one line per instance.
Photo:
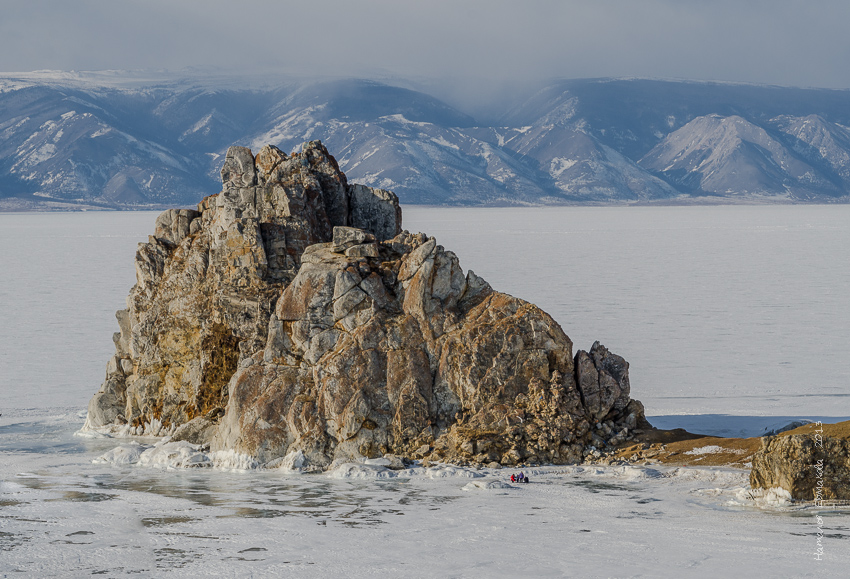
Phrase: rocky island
(290, 320)
(290, 313)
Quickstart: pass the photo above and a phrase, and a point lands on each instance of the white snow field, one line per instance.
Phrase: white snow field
(734, 320)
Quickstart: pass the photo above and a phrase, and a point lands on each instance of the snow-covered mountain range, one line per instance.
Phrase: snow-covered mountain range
(118, 139)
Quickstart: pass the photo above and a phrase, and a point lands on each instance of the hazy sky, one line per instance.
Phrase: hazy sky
(788, 42)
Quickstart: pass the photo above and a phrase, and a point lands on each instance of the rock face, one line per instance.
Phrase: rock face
(291, 313)
(810, 467)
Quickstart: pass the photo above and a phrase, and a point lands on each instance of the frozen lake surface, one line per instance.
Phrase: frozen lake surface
(732, 318)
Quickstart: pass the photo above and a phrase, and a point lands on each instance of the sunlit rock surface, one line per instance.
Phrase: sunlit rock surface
(290, 313)
(810, 467)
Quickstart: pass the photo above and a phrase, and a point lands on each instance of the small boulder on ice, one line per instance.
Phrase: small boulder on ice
(361, 471)
(448, 471)
(486, 485)
(179, 454)
(294, 461)
(122, 455)
(391, 461)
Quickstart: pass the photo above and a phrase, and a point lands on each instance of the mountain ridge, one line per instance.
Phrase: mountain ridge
(135, 140)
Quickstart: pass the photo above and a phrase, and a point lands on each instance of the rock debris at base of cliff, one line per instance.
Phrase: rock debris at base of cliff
(290, 312)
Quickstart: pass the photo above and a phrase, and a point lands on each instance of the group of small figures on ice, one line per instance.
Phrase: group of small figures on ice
(519, 478)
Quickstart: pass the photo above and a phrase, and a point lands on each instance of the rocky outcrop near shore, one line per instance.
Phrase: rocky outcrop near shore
(812, 467)
(290, 313)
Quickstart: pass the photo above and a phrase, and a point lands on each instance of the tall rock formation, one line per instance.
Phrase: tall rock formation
(291, 313)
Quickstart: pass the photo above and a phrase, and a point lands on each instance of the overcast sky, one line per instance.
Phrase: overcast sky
(786, 42)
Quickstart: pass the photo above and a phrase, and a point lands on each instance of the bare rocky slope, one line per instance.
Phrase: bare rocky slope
(291, 313)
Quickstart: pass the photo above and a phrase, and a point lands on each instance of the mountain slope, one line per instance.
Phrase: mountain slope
(733, 157)
(64, 145)
(820, 142)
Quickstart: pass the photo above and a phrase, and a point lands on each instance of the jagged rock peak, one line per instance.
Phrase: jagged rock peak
(290, 313)
(312, 173)
(207, 279)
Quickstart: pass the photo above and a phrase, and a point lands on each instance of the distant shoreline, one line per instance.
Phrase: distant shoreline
(50, 205)
(678, 447)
